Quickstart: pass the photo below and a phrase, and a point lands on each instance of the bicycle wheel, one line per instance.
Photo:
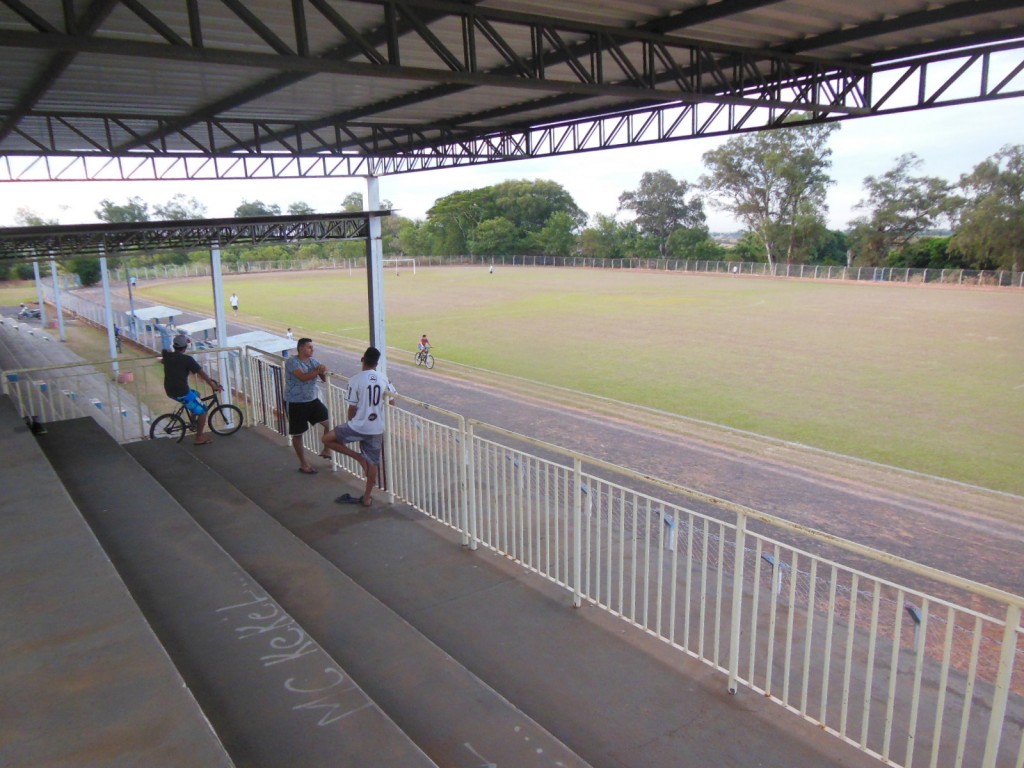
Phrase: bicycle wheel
(168, 427)
(429, 361)
(418, 358)
(225, 419)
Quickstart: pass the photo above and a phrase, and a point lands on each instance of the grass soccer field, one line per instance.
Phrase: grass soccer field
(929, 379)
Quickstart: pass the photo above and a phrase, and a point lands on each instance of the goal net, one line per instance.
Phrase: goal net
(399, 263)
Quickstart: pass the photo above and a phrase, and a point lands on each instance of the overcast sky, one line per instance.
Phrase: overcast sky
(950, 141)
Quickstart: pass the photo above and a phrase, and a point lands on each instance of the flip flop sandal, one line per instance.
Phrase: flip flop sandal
(348, 498)
(307, 470)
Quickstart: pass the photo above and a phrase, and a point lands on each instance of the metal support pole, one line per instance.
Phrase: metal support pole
(56, 299)
(471, 484)
(463, 484)
(1001, 692)
(375, 272)
(133, 322)
(218, 313)
(108, 313)
(577, 545)
(737, 602)
(39, 294)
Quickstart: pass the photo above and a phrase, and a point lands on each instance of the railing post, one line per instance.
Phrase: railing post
(463, 484)
(1001, 691)
(577, 545)
(471, 485)
(737, 601)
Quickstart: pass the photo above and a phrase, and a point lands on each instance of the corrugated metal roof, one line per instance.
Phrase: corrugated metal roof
(428, 78)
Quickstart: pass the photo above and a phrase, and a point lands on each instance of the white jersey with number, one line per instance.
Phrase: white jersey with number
(367, 391)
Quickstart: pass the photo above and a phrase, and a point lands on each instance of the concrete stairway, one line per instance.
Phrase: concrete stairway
(306, 633)
(83, 679)
(273, 695)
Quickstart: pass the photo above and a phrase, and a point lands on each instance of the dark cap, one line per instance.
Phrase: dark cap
(181, 341)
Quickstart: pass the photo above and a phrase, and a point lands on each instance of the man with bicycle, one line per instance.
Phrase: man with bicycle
(423, 346)
(177, 368)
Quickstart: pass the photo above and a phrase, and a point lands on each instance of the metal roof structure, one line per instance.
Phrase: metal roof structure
(72, 241)
(200, 89)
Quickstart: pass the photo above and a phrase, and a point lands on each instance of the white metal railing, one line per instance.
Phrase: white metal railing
(125, 400)
(907, 663)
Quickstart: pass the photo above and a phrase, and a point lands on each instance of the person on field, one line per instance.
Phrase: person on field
(367, 391)
(301, 372)
(178, 366)
(234, 301)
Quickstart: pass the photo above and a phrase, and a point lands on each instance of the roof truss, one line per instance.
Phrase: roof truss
(556, 83)
(49, 242)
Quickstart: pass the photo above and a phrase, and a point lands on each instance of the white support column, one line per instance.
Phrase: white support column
(108, 313)
(375, 291)
(39, 294)
(56, 300)
(375, 273)
(218, 314)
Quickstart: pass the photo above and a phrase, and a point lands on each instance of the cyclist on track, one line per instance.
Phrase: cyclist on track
(177, 367)
(423, 345)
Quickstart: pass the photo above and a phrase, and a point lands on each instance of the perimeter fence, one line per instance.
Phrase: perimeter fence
(899, 275)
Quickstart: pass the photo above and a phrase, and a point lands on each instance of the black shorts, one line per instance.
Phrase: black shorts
(301, 415)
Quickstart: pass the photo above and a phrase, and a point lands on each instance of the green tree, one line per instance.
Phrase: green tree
(558, 237)
(661, 207)
(991, 226)
(774, 182)
(603, 239)
(87, 269)
(299, 208)
(180, 208)
(494, 237)
(748, 248)
(133, 210)
(256, 208)
(26, 217)
(353, 202)
(901, 206)
(527, 205)
(452, 219)
(693, 243)
(413, 238)
(927, 252)
(827, 246)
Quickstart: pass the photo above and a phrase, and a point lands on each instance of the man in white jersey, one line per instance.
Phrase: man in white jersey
(367, 392)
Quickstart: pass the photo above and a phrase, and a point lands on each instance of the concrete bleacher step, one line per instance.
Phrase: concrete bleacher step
(615, 696)
(273, 695)
(455, 718)
(83, 679)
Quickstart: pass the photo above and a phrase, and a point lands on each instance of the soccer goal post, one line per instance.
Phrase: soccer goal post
(398, 263)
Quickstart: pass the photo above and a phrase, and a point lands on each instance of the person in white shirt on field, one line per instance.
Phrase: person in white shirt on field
(367, 391)
(234, 301)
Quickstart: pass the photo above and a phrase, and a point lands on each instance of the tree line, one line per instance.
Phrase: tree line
(773, 183)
